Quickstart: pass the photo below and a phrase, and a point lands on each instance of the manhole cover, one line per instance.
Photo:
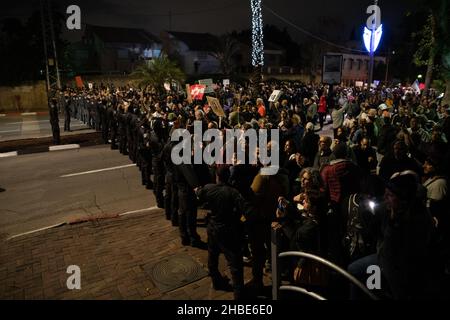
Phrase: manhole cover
(175, 271)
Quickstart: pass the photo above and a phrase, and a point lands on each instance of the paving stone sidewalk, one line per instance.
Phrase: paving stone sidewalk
(112, 254)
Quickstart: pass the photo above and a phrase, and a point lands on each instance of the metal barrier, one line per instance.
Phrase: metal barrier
(276, 273)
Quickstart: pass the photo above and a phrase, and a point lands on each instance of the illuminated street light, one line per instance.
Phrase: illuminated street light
(372, 34)
(376, 38)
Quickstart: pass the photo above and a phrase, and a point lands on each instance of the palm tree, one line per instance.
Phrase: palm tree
(158, 71)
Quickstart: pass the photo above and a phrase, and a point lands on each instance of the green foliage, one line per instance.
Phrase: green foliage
(439, 85)
(158, 71)
(426, 43)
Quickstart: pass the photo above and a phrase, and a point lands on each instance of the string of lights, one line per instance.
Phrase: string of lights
(257, 34)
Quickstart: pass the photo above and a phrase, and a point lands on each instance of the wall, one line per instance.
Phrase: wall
(24, 98)
(116, 80)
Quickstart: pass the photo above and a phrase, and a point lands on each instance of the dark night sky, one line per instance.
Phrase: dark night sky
(220, 16)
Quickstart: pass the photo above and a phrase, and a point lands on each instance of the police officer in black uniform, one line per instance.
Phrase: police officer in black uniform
(104, 119)
(186, 181)
(171, 190)
(157, 142)
(54, 120)
(144, 152)
(224, 230)
(123, 142)
(112, 119)
(67, 112)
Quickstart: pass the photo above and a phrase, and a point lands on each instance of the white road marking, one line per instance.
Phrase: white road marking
(21, 122)
(137, 211)
(37, 230)
(95, 171)
(5, 131)
(28, 130)
(47, 121)
(28, 113)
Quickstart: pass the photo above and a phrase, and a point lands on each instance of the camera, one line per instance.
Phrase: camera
(282, 205)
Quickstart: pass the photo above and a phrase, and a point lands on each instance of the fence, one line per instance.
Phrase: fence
(276, 272)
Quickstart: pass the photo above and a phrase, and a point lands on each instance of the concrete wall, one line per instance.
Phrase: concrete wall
(24, 98)
(117, 80)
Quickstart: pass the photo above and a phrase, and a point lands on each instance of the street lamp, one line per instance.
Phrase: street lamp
(419, 76)
(372, 34)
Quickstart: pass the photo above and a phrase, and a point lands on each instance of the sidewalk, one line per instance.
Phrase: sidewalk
(87, 137)
(114, 256)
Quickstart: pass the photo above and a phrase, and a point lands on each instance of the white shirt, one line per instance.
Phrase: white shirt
(436, 188)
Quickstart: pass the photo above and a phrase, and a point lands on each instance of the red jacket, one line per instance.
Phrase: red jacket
(262, 111)
(322, 105)
(341, 178)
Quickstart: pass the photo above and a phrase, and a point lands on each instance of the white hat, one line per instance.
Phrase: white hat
(383, 107)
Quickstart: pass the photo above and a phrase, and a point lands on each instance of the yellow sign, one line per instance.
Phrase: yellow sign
(215, 106)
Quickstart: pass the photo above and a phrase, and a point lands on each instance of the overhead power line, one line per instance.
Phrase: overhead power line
(309, 33)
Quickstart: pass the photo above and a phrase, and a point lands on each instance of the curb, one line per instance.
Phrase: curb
(8, 154)
(64, 147)
(75, 221)
(47, 149)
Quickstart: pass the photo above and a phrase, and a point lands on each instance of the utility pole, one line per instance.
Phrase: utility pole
(371, 52)
(51, 66)
(48, 39)
(388, 60)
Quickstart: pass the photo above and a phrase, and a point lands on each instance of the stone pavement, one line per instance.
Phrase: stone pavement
(112, 254)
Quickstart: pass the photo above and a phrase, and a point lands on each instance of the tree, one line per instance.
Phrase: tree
(158, 71)
(22, 50)
(439, 24)
(225, 53)
(427, 48)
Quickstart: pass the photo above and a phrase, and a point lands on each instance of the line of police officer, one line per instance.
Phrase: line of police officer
(129, 124)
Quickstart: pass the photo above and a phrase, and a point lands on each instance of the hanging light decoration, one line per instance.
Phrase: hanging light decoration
(257, 34)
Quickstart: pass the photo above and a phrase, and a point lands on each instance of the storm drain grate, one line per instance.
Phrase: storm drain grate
(175, 271)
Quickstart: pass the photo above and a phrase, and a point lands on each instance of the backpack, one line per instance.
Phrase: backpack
(354, 243)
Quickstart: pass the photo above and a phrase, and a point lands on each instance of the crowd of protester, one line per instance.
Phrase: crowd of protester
(373, 192)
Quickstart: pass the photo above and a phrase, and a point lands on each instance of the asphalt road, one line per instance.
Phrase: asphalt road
(35, 126)
(37, 195)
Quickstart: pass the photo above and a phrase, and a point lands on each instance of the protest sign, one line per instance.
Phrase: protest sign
(197, 91)
(208, 83)
(215, 106)
(276, 94)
